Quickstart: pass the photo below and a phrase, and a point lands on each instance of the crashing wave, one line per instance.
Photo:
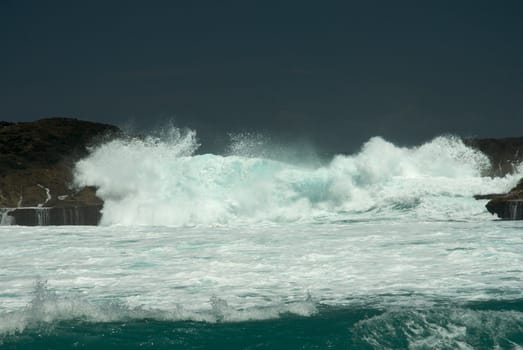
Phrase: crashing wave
(162, 181)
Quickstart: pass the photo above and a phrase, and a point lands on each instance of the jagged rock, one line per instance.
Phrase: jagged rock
(36, 162)
(509, 205)
(505, 156)
(511, 209)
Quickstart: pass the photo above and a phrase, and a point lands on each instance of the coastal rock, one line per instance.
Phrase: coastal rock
(77, 215)
(505, 154)
(509, 205)
(36, 162)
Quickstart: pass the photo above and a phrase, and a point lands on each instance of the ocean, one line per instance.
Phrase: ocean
(255, 249)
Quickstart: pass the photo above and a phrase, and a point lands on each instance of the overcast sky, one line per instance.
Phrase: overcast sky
(332, 72)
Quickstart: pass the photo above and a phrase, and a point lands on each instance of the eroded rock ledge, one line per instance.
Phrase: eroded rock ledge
(505, 156)
(506, 205)
(36, 163)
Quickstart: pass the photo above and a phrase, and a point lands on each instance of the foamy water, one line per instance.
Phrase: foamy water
(162, 182)
(385, 248)
(112, 273)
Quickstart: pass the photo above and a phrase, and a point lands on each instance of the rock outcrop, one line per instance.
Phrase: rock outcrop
(505, 156)
(509, 205)
(36, 162)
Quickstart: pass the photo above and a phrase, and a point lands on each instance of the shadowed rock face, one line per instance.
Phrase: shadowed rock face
(78, 215)
(36, 162)
(509, 205)
(505, 155)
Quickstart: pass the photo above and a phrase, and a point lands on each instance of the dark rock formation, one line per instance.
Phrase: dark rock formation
(36, 162)
(509, 205)
(505, 156)
(40, 216)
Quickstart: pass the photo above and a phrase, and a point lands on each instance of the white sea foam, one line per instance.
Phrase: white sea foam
(250, 272)
(441, 328)
(160, 181)
(47, 306)
(398, 226)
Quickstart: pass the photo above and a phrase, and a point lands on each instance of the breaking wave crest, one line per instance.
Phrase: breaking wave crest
(48, 307)
(51, 320)
(162, 181)
(441, 328)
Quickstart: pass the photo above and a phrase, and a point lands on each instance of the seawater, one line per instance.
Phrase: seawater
(383, 249)
(162, 181)
(368, 285)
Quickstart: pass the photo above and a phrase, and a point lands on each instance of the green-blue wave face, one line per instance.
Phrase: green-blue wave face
(486, 325)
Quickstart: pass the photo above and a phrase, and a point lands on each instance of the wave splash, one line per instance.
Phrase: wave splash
(50, 318)
(48, 307)
(162, 181)
(441, 328)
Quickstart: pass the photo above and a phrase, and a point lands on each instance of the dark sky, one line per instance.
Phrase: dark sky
(333, 73)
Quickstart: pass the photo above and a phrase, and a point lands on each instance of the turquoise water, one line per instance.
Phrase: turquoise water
(383, 249)
(359, 285)
(481, 325)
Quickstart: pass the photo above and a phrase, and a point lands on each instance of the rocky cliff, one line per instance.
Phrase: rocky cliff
(36, 162)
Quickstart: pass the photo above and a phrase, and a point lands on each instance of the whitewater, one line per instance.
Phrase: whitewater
(161, 181)
(382, 249)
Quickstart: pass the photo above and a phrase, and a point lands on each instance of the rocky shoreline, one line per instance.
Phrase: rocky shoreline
(506, 205)
(37, 161)
(43, 216)
(505, 155)
(36, 171)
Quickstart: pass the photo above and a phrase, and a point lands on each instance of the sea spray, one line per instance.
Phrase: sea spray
(162, 181)
(404, 257)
